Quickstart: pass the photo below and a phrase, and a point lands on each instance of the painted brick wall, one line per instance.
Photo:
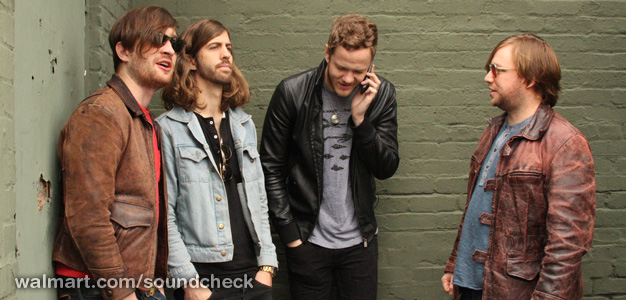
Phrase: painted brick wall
(434, 51)
(101, 15)
(8, 262)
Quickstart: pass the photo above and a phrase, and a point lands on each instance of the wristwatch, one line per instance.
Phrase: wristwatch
(268, 269)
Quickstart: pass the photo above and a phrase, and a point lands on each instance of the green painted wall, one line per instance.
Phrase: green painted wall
(434, 52)
(8, 262)
(49, 60)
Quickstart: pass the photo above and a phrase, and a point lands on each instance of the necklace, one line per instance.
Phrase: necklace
(335, 118)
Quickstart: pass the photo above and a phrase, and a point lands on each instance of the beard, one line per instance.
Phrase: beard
(212, 75)
(147, 76)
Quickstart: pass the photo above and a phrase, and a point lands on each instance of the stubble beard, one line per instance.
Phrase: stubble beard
(213, 76)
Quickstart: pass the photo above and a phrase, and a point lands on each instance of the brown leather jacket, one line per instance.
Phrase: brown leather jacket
(109, 221)
(543, 210)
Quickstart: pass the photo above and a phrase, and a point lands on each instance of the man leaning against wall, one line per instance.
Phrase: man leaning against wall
(114, 212)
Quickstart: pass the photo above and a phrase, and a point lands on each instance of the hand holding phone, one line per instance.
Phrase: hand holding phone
(364, 87)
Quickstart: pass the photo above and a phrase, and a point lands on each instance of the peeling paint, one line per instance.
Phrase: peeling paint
(43, 192)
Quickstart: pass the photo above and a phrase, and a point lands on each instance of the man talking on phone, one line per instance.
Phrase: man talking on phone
(328, 133)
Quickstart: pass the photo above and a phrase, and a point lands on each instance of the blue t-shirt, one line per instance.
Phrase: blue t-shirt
(475, 235)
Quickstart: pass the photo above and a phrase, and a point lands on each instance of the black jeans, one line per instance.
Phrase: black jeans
(313, 270)
(470, 294)
(258, 291)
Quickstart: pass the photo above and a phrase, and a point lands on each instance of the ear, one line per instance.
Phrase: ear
(530, 85)
(327, 54)
(192, 61)
(122, 52)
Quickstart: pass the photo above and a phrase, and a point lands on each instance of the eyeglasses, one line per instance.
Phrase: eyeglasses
(495, 69)
(177, 43)
(226, 171)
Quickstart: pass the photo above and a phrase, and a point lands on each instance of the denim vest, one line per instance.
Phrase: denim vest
(198, 205)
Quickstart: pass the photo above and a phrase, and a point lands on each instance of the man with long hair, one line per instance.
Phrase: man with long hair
(531, 193)
(328, 133)
(218, 220)
(114, 202)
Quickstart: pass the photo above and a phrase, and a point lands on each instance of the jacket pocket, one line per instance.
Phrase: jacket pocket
(523, 268)
(194, 164)
(251, 165)
(130, 220)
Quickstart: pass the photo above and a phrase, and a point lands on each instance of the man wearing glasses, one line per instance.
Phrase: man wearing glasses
(531, 193)
(114, 203)
(328, 133)
(218, 223)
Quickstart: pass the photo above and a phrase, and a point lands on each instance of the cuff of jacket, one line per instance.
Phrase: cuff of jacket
(288, 233)
(187, 271)
(267, 259)
(364, 132)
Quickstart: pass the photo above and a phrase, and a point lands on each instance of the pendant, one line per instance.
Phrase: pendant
(334, 119)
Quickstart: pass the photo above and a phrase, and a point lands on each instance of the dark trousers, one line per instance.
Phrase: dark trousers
(313, 270)
(470, 294)
(258, 291)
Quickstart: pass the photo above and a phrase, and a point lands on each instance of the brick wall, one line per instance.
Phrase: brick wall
(101, 15)
(434, 53)
(8, 262)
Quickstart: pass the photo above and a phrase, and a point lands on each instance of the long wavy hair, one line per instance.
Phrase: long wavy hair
(183, 89)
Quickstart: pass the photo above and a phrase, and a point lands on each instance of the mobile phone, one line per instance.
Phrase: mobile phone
(364, 87)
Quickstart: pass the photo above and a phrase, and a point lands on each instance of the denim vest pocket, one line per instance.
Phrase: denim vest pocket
(194, 165)
(251, 165)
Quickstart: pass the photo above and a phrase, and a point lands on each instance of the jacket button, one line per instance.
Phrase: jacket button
(109, 293)
(252, 160)
(221, 226)
(223, 253)
(219, 198)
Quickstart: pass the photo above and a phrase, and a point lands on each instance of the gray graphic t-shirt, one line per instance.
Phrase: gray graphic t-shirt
(337, 227)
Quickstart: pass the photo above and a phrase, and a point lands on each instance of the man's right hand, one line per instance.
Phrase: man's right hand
(199, 293)
(294, 244)
(446, 280)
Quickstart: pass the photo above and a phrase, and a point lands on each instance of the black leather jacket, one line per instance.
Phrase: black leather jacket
(292, 150)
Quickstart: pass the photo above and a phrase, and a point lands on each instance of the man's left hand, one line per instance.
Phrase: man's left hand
(264, 278)
(361, 102)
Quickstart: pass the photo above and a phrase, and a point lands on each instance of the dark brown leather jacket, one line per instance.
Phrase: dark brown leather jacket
(543, 210)
(109, 221)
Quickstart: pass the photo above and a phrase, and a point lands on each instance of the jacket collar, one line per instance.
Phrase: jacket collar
(117, 84)
(320, 72)
(181, 115)
(538, 124)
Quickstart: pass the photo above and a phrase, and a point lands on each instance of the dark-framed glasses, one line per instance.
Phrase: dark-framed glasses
(495, 69)
(226, 172)
(177, 43)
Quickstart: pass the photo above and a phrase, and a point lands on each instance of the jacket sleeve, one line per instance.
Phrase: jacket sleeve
(268, 249)
(275, 142)
(90, 151)
(570, 192)
(377, 140)
(179, 261)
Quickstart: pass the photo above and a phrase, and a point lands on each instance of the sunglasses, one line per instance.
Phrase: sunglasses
(162, 38)
(226, 171)
(495, 69)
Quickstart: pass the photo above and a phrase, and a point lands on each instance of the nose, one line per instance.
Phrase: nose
(225, 53)
(489, 77)
(168, 48)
